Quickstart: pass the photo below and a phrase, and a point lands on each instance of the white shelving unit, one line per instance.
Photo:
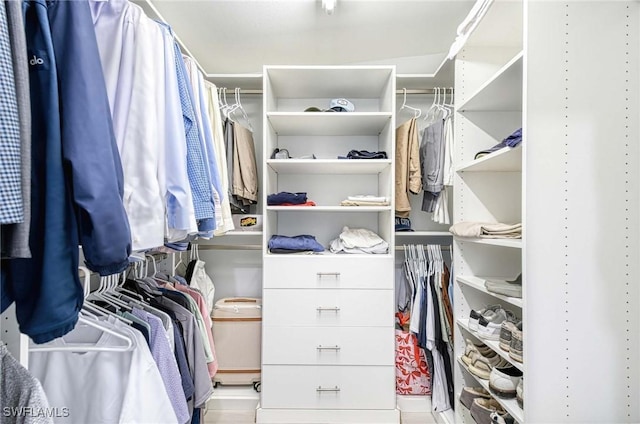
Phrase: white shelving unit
(533, 65)
(343, 304)
(489, 189)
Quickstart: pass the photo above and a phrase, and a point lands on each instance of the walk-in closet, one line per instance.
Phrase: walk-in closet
(320, 211)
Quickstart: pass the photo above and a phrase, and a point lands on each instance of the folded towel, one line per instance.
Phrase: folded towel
(486, 230)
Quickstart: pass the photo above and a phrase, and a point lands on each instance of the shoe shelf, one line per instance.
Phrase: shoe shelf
(515, 243)
(329, 166)
(478, 284)
(502, 92)
(510, 405)
(493, 344)
(324, 123)
(355, 209)
(507, 159)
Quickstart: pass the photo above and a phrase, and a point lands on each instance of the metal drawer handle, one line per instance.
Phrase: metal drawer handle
(334, 309)
(327, 389)
(329, 274)
(336, 347)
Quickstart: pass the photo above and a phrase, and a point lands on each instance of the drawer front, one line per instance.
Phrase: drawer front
(328, 272)
(329, 345)
(328, 387)
(328, 308)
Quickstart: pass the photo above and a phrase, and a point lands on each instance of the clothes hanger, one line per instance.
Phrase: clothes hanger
(244, 112)
(86, 285)
(87, 318)
(416, 112)
(430, 116)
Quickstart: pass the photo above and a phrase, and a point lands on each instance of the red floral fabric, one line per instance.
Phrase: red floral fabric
(412, 372)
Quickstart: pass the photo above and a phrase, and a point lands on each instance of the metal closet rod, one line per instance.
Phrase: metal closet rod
(398, 92)
(230, 246)
(259, 247)
(442, 247)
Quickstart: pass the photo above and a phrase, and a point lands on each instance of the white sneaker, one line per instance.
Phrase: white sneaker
(520, 393)
(490, 323)
(504, 380)
(475, 315)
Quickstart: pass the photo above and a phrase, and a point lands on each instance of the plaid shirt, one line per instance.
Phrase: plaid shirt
(11, 206)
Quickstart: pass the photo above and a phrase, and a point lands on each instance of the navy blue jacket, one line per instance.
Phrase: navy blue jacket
(77, 180)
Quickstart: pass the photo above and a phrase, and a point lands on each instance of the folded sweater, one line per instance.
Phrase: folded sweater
(486, 230)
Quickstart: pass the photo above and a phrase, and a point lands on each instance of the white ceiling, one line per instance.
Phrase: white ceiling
(240, 36)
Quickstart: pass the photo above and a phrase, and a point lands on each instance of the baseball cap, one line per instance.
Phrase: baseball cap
(336, 105)
(403, 224)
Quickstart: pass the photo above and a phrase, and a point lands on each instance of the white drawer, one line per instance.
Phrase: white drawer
(328, 345)
(327, 308)
(326, 272)
(328, 387)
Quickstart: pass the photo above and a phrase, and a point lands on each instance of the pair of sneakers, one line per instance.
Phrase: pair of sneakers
(487, 322)
(511, 339)
(504, 381)
(481, 359)
(483, 408)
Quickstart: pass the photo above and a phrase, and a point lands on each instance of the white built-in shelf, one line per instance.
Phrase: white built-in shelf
(252, 82)
(328, 166)
(328, 253)
(502, 92)
(510, 405)
(507, 159)
(515, 243)
(243, 233)
(352, 209)
(494, 345)
(478, 284)
(350, 82)
(329, 123)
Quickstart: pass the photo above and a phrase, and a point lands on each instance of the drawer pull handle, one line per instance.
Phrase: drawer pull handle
(334, 309)
(327, 389)
(329, 274)
(336, 347)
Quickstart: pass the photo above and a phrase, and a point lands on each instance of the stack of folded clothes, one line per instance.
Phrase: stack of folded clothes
(296, 244)
(289, 199)
(365, 200)
(364, 154)
(358, 240)
(487, 230)
(514, 139)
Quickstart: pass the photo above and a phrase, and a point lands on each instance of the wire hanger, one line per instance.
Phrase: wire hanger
(416, 112)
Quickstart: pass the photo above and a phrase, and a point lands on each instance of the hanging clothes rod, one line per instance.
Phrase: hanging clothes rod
(442, 247)
(230, 246)
(398, 92)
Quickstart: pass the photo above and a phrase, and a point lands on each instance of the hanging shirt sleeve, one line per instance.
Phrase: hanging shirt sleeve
(92, 164)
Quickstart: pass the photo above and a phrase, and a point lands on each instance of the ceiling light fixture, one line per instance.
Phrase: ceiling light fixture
(328, 6)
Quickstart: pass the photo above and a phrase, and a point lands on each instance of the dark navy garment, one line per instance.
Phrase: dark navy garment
(77, 184)
(91, 159)
(302, 243)
(45, 288)
(286, 197)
